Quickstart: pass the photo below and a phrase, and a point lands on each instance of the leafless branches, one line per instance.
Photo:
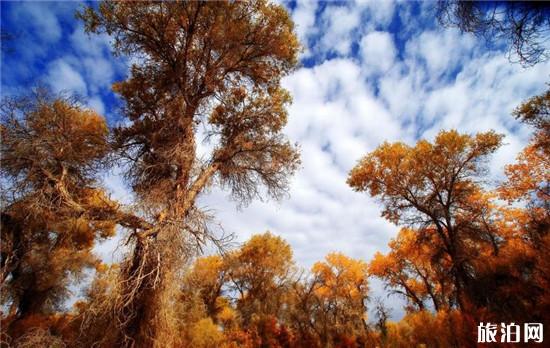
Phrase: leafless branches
(524, 24)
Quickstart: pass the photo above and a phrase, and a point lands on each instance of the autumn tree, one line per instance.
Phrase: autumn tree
(528, 178)
(205, 282)
(528, 182)
(246, 290)
(341, 289)
(53, 209)
(260, 272)
(93, 325)
(329, 306)
(408, 269)
(258, 298)
(525, 25)
(200, 68)
(435, 189)
(446, 328)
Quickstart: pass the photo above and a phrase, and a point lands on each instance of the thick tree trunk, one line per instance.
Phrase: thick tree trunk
(145, 316)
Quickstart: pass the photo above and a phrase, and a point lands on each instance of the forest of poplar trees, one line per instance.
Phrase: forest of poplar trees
(464, 254)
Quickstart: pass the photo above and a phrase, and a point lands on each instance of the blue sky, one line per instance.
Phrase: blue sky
(371, 72)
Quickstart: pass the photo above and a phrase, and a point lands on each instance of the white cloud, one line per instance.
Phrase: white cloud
(64, 77)
(304, 21)
(380, 12)
(340, 22)
(95, 60)
(440, 51)
(42, 19)
(377, 51)
(91, 45)
(99, 73)
(117, 187)
(97, 104)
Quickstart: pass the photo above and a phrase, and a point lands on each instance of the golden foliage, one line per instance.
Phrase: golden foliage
(53, 211)
(216, 65)
(205, 334)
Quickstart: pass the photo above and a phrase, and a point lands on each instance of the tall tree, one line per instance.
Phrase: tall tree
(340, 287)
(434, 188)
(53, 210)
(528, 182)
(529, 178)
(213, 67)
(328, 308)
(205, 281)
(260, 274)
(246, 291)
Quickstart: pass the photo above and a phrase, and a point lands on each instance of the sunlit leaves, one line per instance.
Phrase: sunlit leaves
(223, 59)
(53, 211)
(341, 277)
(424, 176)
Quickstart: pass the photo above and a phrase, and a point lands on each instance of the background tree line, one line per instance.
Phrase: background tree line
(464, 253)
